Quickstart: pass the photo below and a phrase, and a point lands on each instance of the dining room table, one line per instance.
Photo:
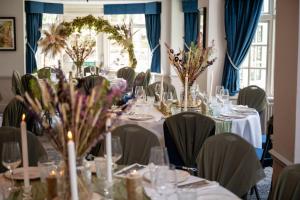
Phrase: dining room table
(239, 120)
(203, 189)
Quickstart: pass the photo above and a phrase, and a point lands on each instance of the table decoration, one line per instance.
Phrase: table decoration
(51, 181)
(108, 152)
(191, 63)
(134, 186)
(25, 151)
(84, 115)
(72, 167)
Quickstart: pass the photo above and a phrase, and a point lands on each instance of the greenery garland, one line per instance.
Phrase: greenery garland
(121, 34)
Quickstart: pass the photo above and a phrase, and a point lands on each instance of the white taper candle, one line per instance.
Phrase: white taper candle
(72, 167)
(211, 82)
(108, 151)
(186, 82)
(25, 151)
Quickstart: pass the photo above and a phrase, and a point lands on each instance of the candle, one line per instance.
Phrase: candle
(72, 167)
(134, 186)
(186, 82)
(25, 151)
(108, 151)
(161, 88)
(211, 82)
(51, 185)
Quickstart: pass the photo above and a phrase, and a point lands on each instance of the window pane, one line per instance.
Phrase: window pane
(245, 63)
(258, 77)
(243, 78)
(261, 35)
(266, 7)
(259, 56)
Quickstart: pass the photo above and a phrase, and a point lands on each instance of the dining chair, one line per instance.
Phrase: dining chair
(230, 160)
(150, 90)
(16, 83)
(136, 143)
(35, 148)
(184, 134)
(88, 70)
(89, 82)
(128, 74)
(45, 73)
(254, 97)
(288, 184)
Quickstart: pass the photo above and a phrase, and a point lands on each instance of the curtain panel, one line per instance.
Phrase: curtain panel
(241, 19)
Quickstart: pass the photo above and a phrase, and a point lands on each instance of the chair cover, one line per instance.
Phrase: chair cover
(288, 184)
(16, 83)
(35, 148)
(90, 82)
(31, 85)
(150, 90)
(44, 73)
(128, 74)
(254, 97)
(136, 143)
(88, 70)
(230, 160)
(184, 135)
(140, 79)
(12, 116)
(148, 77)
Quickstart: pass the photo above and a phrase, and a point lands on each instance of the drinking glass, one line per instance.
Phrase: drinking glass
(116, 149)
(168, 98)
(219, 91)
(225, 95)
(45, 167)
(139, 92)
(165, 181)
(11, 159)
(157, 90)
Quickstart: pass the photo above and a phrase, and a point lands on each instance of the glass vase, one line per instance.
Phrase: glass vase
(84, 181)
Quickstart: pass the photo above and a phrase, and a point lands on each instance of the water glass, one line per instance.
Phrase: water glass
(100, 165)
(45, 167)
(165, 181)
(225, 95)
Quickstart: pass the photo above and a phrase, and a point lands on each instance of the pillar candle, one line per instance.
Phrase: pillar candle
(161, 88)
(51, 185)
(186, 82)
(25, 151)
(134, 186)
(72, 167)
(108, 151)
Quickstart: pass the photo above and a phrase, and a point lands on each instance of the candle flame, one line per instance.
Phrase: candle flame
(23, 117)
(53, 173)
(70, 136)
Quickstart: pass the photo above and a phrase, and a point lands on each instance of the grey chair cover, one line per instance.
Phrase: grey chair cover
(128, 74)
(150, 90)
(16, 83)
(91, 81)
(185, 133)
(254, 97)
(147, 78)
(288, 184)
(230, 160)
(35, 148)
(136, 144)
(140, 79)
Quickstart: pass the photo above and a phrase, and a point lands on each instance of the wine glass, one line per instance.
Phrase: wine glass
(225, 95)
(166, 181)
(116, 149)
(157, 91)
(11, 159)
(139, 92)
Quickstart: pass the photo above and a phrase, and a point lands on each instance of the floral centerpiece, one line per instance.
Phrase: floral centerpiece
(84, 115)
(79, 50)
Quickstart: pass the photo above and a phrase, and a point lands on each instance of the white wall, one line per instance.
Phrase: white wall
(12, 60)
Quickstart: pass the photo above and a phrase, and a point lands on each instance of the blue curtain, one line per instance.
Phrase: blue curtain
(191, 28)
(153, 35)
(241, 19)
(33, 25)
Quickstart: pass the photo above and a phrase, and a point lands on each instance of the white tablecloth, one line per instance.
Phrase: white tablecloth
(248, 128)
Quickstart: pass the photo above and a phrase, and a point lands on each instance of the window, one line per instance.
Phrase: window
(257, 67)
(116, 57)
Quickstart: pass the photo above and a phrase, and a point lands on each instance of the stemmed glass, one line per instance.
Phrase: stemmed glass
(157, 91)
(116, 150)
(139, 92)
(225, 95)
(11, 159)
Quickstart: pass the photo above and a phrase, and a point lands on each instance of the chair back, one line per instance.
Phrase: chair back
(44, 73)
(91, 81)
(30, 84)
(150, 90)
(35, 148)
(128, 74)
(88, 70)
(288, 184)
(230, 160)
(136, 143)
(16, 83)
(184, 135)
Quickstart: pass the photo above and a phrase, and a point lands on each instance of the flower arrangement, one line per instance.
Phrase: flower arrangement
(83, 115)
(79, 50)
(192, 62)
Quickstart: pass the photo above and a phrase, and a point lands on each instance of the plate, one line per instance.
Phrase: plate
(181, 175)
(233, 115)
(140, 117)
(18, 174)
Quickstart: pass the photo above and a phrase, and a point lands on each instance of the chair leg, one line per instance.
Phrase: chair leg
(256, 192)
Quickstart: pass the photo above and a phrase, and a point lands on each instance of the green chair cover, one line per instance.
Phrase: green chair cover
(91, 81)
(288, 184)
(16, 83)
(44, 73)
(30, 84)
(184, 135)
(35, 148)
(254, 97)
(128, 74)
(150, 90)
(230, 160)
(88, 70)
(136, 143)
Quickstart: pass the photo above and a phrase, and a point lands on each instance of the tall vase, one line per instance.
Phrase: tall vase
(189, 97)
(78, 73)
(84, 181)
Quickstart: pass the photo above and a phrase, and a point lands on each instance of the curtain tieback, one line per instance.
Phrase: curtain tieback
(185, 44)
(231, 62)
(155, 48)
(30, 47)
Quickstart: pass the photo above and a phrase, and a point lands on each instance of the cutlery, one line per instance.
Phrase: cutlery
(197, 184)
